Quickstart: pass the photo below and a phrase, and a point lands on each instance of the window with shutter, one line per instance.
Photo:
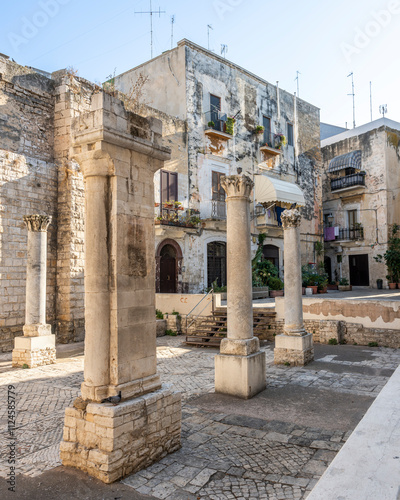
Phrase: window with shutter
(218, 192)
(169, 186)
(267, 130)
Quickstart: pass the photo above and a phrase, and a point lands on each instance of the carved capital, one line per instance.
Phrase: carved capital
(291, 218)
(237, 185)
(37, 222)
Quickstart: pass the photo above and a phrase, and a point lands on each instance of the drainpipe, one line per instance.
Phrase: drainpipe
(278, 101)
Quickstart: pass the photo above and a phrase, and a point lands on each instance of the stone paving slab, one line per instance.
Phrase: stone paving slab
(275, 446)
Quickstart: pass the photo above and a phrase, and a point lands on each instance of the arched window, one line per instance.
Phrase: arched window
(271, 253)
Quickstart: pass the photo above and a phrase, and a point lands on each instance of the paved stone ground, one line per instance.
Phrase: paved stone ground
(274, 446)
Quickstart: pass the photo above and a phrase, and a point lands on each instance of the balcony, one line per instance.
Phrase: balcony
(343, 234)
(348, 182)
(218, 125)
(218, 210)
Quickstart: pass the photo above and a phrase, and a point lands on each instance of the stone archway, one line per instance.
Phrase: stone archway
(169, 267)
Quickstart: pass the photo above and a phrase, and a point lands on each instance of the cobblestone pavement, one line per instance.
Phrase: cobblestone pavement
(226, 453)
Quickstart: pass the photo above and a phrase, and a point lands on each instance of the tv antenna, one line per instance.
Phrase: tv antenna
(172, 31)
(383, 109)
(354, 102)
(209, 27)
(297, 79)
(224, 50)
(151, 12)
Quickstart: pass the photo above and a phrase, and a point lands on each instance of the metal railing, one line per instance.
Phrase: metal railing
(196, 306)
(348, 181)
(218, 209)
(351, 234)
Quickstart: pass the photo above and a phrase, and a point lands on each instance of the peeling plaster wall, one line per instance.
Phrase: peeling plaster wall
(180, 83)
(377, 203)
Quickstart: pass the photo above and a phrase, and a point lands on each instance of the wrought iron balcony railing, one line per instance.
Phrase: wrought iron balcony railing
(348, 181)
(218, 209)
(351, 234)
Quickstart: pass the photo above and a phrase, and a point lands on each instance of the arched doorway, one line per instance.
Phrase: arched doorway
(271, 253)
(168, 267)
(216, 263)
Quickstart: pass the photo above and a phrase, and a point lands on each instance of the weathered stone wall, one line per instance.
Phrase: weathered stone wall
(28, 185)
(377, 203)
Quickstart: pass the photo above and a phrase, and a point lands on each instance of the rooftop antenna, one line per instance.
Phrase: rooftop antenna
(354, 102)
(172, 31)
(209, 27)
(224, 50)
(151, 12)
(297, 78)
(370, 98)
(383, 109)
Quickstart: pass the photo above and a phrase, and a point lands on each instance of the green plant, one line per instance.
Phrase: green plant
(175, 313)
(171, 333)
(262, 269)
(333, 341)
(216, 288)
(25, 366)
(373, 344)
(344, 282)
(211, 124)
(279, 141)
(287, 363)
(230, 125)
(392, 256)
(159, 314)
(319, 248)
(275, 283)
(259, 129)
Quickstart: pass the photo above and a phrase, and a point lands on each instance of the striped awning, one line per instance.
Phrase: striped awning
(270, 190)
(348, 160)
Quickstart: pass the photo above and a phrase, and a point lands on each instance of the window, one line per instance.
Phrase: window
(216, 263)
(352, 218)
(169, 186)
(267, 130)
(215, 108)
(218, 192)
(290, 139)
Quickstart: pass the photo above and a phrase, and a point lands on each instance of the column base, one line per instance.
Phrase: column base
(241, 376)
(110, 442)
(129, 390)
(36, 330)
(34, 351)
(295, 350)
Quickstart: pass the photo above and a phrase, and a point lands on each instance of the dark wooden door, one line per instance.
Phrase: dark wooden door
(167, 274)
(359, 270)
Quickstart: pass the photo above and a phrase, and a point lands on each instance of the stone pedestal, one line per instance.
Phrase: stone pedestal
(37, 346)
(119, 153)
(295, 346)
(240, 366)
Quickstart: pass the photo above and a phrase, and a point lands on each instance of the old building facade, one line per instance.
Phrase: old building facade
(360, 199)
(222, 105)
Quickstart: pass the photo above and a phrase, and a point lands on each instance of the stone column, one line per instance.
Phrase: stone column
(295, 346)
(240, 366)
(119, 153)
(37, 346)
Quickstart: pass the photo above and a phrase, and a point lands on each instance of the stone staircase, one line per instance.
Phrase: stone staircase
(213, 328)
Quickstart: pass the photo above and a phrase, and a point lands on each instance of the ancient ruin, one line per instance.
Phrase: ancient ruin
(295, 345)
(240, 366)
(38, 345)
(119, 153)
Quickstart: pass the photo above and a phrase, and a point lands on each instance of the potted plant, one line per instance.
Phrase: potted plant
(259, 130)
(344, 285)
(156, 205)
(279, 141)
(322, 283)
(168, 204)
(211, 124)
(276, 287)
(333, 285)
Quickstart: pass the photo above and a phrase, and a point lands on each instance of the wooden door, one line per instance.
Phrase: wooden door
(359, 270)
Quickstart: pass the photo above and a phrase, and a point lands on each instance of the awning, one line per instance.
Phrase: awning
(348, 160)
(270, 190)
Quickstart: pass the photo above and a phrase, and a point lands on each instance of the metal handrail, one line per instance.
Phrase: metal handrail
(195, 307)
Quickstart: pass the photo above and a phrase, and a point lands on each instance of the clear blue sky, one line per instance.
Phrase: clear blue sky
(325, 41)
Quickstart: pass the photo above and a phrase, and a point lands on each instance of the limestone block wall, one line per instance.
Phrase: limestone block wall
(28, 185)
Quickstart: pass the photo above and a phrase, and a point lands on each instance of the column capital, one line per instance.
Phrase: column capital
(237, 186)
(37, 222)
(291, 218)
